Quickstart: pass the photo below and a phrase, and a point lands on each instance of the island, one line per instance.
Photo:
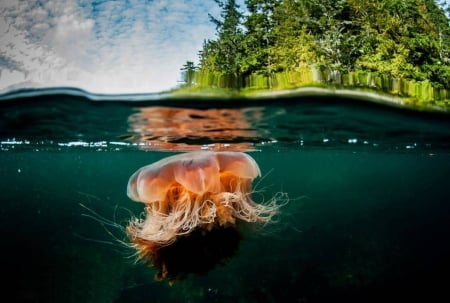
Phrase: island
(397, 51)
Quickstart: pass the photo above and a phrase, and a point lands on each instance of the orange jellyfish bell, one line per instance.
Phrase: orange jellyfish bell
(197, 195)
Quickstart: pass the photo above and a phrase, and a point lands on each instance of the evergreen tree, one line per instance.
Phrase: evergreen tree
(405, 40)
(336, 33)
(259, 38)
(293, 44)
(188, 73)
(228, 49)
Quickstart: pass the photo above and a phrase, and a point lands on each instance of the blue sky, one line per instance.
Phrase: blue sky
(126, 46)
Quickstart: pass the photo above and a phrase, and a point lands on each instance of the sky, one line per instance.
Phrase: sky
(108, 47)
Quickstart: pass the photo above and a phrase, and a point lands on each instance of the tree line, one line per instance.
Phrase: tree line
(407, 39)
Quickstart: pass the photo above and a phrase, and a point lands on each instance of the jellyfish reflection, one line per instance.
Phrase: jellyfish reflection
(194, 202)
(187, 129)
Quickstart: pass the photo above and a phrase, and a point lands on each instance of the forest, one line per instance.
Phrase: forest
(398, 46)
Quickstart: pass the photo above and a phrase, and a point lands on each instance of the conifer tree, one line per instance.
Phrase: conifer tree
(294, 46)
(228, 47)
(259, 37)
(188, 73)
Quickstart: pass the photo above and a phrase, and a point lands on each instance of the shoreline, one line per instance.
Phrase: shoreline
(305, 91)
(363, 95)
(354, 94)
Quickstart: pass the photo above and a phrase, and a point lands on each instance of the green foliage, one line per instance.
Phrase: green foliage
(188, 73)
(293, 44)
(259, 38)
(392, 41)
(225, 54)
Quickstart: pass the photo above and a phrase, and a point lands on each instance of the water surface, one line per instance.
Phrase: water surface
(368, 220)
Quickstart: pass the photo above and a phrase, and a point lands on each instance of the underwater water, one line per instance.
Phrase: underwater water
(368, 217)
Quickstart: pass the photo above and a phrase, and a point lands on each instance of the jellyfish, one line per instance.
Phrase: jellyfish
(194, 203)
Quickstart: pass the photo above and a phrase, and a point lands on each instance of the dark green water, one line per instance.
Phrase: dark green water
(368, 220)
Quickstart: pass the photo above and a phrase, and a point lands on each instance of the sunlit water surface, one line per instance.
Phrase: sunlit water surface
(368, 219)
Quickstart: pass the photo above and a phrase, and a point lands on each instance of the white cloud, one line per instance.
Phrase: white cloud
(107, 47)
